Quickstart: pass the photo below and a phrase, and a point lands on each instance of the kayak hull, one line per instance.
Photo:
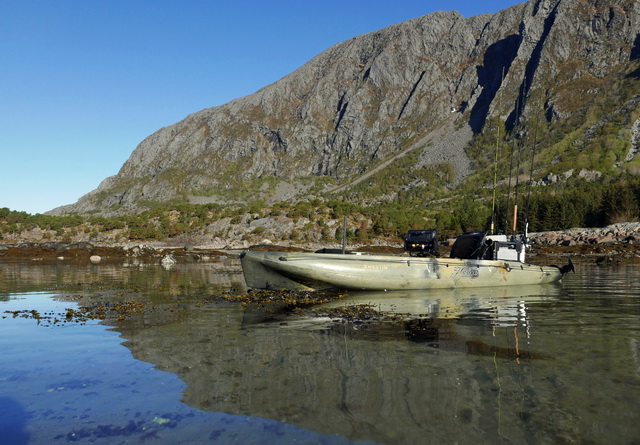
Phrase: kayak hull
(317, 271)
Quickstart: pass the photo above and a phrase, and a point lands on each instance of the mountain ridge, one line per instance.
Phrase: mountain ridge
(363, 102)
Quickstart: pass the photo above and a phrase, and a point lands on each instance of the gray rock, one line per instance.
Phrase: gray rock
(79, 246)
(374, 98)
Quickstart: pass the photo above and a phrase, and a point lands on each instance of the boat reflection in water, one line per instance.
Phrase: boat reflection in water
(504, 305)
(434, 317)
(466, 373)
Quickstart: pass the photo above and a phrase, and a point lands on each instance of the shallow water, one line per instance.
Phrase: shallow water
(542, 364)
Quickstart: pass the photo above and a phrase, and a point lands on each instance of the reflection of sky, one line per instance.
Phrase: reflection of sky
(461, 378)
(40, 301)
(79, 383)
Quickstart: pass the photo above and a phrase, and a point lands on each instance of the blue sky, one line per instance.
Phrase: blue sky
(83, 82)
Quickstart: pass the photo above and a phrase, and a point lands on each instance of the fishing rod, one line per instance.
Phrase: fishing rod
(515, 207)
(495, 172)
(515, 125)
(533, 155)
(519, 105)
(495, 163)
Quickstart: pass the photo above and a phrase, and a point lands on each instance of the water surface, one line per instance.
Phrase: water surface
(541, 364)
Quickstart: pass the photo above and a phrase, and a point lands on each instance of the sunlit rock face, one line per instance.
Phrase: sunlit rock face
(379, 95)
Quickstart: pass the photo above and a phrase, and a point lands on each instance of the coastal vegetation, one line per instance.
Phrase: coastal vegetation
(577, 203)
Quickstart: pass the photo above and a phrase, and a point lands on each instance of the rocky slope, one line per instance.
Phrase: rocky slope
(371, 99)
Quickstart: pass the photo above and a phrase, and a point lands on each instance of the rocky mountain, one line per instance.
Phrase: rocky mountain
(420, 89)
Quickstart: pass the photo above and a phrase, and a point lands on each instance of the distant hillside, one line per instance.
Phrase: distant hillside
(424, 107)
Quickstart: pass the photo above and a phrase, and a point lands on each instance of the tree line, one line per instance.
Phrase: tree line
(547, 208)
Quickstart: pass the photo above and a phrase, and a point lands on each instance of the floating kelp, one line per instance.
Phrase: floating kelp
(278, 300)
(358, 312)
(99, 311)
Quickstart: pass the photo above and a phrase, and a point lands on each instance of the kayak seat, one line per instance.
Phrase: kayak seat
(469, 246)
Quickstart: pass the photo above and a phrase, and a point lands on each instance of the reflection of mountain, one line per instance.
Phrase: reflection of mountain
(25, 277)
(326, 377)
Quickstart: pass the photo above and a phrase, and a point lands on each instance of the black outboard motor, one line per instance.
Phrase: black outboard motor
(421, 242)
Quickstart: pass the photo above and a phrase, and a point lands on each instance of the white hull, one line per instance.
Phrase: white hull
(315, 271)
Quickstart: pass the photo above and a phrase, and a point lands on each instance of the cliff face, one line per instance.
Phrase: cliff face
(379, 96)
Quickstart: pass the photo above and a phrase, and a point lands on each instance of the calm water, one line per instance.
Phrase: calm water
(533, 365)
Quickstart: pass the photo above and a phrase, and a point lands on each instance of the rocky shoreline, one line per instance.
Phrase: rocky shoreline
(87, 252)
(621, 233)
(615, 243)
